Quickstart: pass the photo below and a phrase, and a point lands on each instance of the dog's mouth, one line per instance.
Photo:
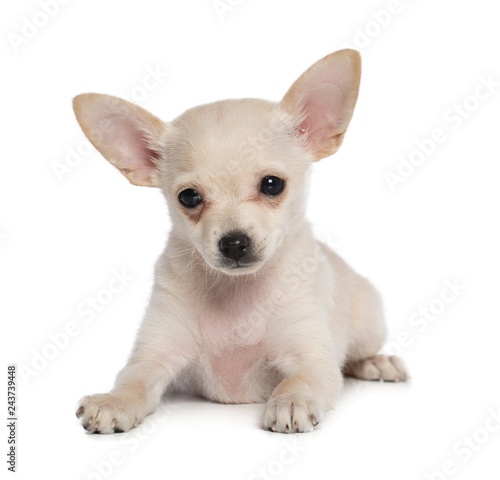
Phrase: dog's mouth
(238, 267)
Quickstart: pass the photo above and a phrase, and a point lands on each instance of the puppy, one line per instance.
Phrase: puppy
(247, 306)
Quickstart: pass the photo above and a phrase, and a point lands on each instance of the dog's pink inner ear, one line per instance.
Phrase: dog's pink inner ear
(129, 149)
(320, 112)
(128, 136)
(322, 101)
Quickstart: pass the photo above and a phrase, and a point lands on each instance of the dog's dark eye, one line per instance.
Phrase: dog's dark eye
(189, 198)
(272, 185)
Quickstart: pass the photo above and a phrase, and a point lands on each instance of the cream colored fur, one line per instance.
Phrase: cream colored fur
(283, 327)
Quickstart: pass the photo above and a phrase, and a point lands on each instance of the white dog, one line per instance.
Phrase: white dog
(247, 306)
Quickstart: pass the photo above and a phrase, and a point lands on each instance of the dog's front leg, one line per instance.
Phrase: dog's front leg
(137, 393)
(163, 348)
(298, 403)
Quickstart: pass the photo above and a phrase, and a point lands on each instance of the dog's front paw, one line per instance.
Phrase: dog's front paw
(290, 413)
(108, 413)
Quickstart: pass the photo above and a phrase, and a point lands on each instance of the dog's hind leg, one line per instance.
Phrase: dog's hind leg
(367, 335)
(380, 367)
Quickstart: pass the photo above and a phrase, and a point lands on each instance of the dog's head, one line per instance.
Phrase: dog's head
(234, 172)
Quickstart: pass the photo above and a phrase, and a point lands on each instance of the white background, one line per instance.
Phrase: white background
(62, 235)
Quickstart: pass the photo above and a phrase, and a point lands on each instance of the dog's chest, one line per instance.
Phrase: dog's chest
(232, 320)
(233, 372)
(233, 350)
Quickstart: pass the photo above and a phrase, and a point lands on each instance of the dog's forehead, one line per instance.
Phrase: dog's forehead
(231, 136)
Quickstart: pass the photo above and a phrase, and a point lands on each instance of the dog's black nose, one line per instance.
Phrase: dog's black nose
(234, 245)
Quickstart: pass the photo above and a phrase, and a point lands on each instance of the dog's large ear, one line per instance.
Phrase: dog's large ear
(322, 101)
(125, 134)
